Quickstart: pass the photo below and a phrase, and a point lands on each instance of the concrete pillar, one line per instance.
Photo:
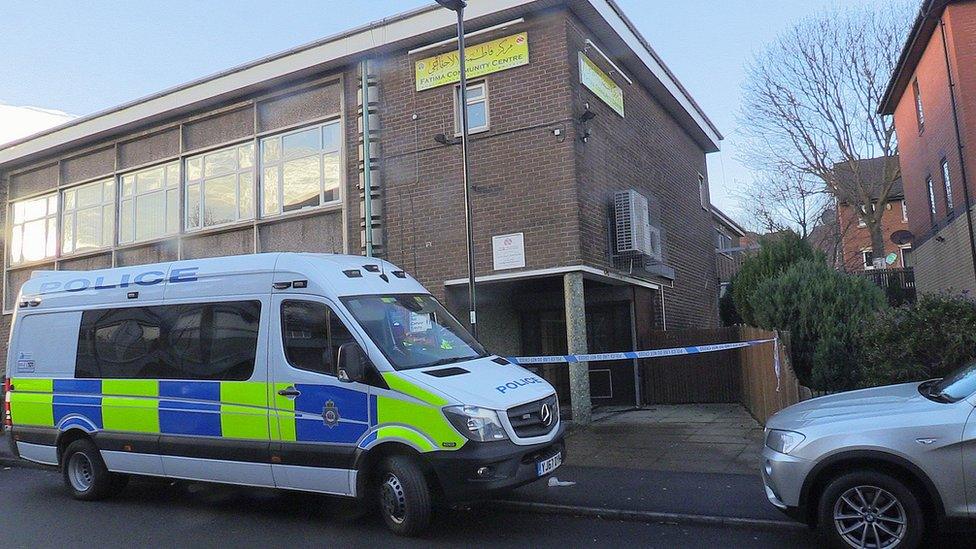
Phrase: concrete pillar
(579, 372)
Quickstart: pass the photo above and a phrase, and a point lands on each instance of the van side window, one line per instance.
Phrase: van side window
(213, 341)
(311, 335)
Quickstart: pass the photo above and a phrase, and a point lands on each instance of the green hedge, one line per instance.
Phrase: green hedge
(776, 254)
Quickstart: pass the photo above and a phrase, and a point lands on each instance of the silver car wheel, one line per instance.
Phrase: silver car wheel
(393, 499)
(80, 472)
(870, 517)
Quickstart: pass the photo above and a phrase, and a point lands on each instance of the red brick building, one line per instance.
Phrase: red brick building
(591, 216)
(932, 95)
(855, 236)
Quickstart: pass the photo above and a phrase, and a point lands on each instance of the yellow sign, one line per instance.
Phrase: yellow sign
(601, 84)
(494, 56)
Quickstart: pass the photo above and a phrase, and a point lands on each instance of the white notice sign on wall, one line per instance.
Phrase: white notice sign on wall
(508, 251)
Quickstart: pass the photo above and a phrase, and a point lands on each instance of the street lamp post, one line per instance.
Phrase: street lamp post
(458, 6)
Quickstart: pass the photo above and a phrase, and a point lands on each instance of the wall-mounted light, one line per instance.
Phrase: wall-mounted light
(583, 119)
(443, 140)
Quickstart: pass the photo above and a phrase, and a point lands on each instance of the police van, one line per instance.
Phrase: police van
(324, 373)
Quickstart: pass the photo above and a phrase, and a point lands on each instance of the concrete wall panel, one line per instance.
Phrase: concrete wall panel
(319, 233)
(298, 107)
(229, 126)
(150, 148)
(152, 253)
(33, 182)
(88, 166)
(237, 242)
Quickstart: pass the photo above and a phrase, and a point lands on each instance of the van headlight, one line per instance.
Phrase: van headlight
(478, 424)
(783, 442)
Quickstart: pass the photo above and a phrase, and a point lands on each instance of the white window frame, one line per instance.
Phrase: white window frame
(200, 183)
(70, 211)
(932, 212)
(904, 211)
(279, 164)
(170, 185)
(860, 219)
(51, 201)
(947, 184)
(703, 191)
(867, 259)
(919, 109)
(901, 253)
(472, 101)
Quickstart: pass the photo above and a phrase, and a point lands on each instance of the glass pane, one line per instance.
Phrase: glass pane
(475, 92)
(67, 233)
(173, 175)
(246, 196)
(89, 195)
(220, 200)
(330, 137)
(192, 206)
(300, 183)
(245, 156)
(108, 222)
(69, 199)
(150, 216)
(128, 182)
(172, 211)
(194, 168)
(35, 209)
(149, 180)
(52, 237)
(219, 163)
(16, 244)
(270, 149)
(35, 240)
(269, 191)
(109, 190)
(125, 222)
(301, 144)
(19, 212)
(330, 163)
(477, 116)
(52, 204)
(89, 229)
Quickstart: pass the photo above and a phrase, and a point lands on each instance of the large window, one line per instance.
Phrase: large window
(948, 185)
(149, 206)
(220, 187)
(212, 341)
(312, 334)
(88, 217)
(300, 169)
(477, 108)
(34, 233)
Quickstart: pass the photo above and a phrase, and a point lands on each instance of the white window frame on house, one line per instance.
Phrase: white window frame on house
(202, 170)
(928, 183)
(45, 210)
(860, 218)
(723, 242)
(904, 211)
(703, 191)
(947, 182)
(104, 219)
(272, 161)
(919, 110)
(130, 194)
(472, 101)
(901, 253)
(867, 259)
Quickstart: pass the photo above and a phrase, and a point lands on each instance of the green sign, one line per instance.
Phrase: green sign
(601, 84)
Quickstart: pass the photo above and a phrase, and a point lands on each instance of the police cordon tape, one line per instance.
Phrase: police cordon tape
(652, 353)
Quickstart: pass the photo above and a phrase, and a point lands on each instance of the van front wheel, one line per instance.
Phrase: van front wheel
(85, 474)
(404, 497)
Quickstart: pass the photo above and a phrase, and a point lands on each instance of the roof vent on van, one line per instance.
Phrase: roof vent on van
(353, 273)
(500, 360)
(399, 274)
(447, 372)
(372, 268)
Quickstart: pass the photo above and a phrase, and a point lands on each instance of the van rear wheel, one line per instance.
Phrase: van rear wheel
(85, 474)
(404, 497)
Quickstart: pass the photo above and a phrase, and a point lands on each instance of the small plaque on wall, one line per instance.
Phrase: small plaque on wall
(508, 251)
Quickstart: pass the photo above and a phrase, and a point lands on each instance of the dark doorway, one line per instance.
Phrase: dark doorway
(608, 329)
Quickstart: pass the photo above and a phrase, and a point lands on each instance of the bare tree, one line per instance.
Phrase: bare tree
(811, 101)
(784, 200)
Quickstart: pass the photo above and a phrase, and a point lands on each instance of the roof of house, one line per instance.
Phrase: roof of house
(870, 169)
(413, 28)
(925, 25)
(727, 221)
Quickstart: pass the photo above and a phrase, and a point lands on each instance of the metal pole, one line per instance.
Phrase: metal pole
(367, 167)
(472, 307)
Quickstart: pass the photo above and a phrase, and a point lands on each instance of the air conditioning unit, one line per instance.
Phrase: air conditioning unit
(655, 246)
(632, 228)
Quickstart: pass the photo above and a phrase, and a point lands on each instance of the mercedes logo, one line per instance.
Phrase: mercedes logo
(545, 414)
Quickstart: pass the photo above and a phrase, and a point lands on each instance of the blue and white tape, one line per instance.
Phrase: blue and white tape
(652, 353)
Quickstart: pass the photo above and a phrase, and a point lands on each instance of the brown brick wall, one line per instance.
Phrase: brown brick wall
(855, 238)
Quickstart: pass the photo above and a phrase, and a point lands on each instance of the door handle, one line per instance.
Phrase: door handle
(290, 392)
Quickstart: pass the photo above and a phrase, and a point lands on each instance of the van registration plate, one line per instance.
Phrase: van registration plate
(547, 466)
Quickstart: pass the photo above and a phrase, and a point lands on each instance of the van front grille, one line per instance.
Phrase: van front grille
(536, 418)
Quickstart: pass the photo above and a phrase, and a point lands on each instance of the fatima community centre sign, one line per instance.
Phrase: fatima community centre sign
(601, 84)
(481, 59)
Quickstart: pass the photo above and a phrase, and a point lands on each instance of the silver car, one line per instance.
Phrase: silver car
(877, 467)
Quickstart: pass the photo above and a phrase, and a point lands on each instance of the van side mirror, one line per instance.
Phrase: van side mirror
(352, 363)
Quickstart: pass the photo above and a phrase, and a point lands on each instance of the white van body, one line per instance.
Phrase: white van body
(223, 370)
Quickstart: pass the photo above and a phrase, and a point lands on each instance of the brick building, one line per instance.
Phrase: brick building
(855, 236)
(571, 110)
(728, 247)
(932, 95)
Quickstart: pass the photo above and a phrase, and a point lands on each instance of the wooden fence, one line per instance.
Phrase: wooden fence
(745, 375)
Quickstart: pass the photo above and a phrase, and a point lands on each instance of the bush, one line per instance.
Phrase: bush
(823, 310)
(927, 340)
(776, 254)
(726, 309)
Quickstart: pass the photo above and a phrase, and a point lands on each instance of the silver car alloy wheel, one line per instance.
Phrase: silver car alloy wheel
(80, 472)
(394, 501)
(870, 517)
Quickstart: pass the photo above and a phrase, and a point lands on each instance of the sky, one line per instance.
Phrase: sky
(64, 58)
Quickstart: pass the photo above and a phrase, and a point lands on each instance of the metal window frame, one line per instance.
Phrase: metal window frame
(237, 173)
(74, 232)
(135, 194)
(47, 216)
(946, 184)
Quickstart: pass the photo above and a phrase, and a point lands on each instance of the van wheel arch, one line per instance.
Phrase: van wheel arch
(65, 438)
(892, 465)
(367, 462)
